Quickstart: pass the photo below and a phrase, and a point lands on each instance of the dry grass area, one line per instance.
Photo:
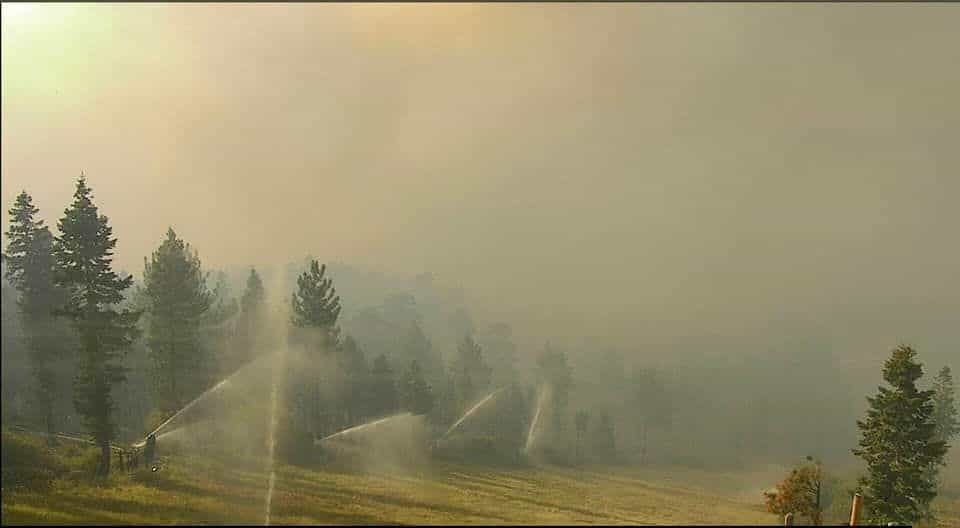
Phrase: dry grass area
(448, 494)
(211, 491)
(200, 492)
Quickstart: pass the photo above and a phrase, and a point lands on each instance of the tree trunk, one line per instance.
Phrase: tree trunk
(104, 468)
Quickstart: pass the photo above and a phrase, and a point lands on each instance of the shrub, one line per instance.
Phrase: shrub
(801, 493)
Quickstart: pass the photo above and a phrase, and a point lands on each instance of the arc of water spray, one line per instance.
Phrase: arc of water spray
(361, 426)
(216, 388)
(471, 411)
(536, 418)
(271, 439)
(188, 406)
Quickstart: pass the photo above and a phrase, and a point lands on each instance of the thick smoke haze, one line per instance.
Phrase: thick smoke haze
(639, 174)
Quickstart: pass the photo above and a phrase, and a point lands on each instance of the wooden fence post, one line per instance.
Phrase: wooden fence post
(855, 510)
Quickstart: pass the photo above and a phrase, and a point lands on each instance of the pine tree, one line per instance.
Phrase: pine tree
(252, 301)
(224, 306)
(603, 439)
(898, 444)
(512, 421)
(415, 393)
(416, 346)
(84, 252)
(30, 268)
(581, 421)
(357, 373)
(251, 319)
(471, 375)
(448, 403)
(650, 406)
(14, 361)
(383, 389)
(316, 303)
(315, 307)
(944, 406)
(21, 233)
(177, 301)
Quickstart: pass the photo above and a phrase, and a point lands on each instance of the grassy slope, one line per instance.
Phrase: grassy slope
(447, 495)
(455, 494)
(197, 491)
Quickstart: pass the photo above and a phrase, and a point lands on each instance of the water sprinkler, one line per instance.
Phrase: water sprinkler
(150, 448)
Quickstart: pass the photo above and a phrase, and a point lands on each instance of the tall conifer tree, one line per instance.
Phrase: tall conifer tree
(357, 374)
(383, 389)
(898, 444)
(316, 303)
(30, 268)
(471, 375)
(252, 315)
(178, 300)
(415, 393)
(254, 295)
(603, 440)
(315, 306)
(84, 253)
(416, 346)
(944, 406)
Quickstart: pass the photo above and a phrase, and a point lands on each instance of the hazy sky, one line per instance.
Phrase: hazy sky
(623, 170)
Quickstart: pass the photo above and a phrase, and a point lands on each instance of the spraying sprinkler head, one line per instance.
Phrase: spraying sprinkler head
(150, 449)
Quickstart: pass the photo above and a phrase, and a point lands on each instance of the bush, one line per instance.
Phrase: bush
(805, 491)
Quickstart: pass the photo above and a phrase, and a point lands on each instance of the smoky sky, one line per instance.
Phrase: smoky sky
(633, 171)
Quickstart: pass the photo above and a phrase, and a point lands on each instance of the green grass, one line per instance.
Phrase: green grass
(450, 494)
(210, 491)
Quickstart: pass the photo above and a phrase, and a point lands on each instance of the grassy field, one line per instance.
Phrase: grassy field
(205, 490)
